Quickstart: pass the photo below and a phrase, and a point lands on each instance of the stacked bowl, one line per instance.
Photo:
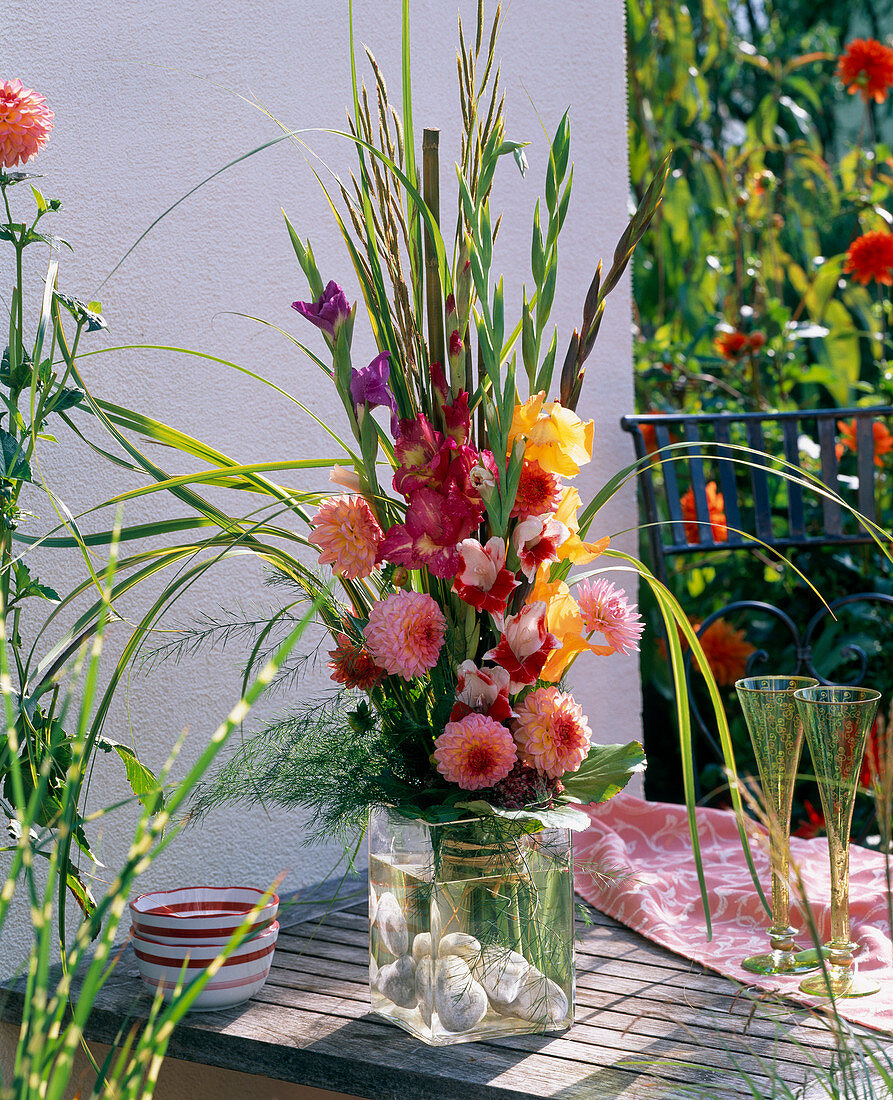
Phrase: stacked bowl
(177, 934)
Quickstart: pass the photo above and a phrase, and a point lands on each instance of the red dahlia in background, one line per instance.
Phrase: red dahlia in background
(867, 68)
(871, 257)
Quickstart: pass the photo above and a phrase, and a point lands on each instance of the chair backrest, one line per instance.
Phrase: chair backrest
(706, 493)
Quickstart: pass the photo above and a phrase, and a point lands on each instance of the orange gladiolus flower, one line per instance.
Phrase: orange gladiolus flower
(883, 440)
(867, 68)
(556, 437)
(573, 548)
(715, 510)
(871, 257)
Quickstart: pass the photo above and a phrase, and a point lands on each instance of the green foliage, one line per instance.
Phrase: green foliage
(763, 201)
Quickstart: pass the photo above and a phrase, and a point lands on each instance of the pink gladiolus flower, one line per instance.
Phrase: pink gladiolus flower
(25, 123)
(482, 580)
(475, 752)
(552, 732)
(525, 645)
(348, 536)
(536, 541)
(405, 633)
(606, 610)
(482, 690)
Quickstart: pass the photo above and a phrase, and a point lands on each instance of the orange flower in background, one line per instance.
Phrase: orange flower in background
(715, 510)
(25, 123)
(726, 650)
(735, 344)
(556, 437)
(866, 67)
(870, 257)
(883, 440)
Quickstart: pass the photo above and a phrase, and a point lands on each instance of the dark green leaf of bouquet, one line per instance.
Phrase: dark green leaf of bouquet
(13, 464)
(605, 772)
(68, 398)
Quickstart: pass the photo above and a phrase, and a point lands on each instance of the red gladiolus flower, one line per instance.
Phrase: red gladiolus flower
(867, 68)
(435, 524)
(525, 645)
(871, 257)
(482, 691)
(536, 541)
(482, 579)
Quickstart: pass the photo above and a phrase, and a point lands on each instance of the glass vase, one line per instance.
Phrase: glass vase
(471, 927)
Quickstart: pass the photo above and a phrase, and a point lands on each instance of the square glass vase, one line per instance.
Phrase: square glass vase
(471, 927)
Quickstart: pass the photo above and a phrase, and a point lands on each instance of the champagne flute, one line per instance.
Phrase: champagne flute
(837, 721)
(776, 733)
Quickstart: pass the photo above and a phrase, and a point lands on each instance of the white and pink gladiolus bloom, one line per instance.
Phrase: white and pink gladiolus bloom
(536, 540)
(525, 645)
(482, 580)
(483, 690)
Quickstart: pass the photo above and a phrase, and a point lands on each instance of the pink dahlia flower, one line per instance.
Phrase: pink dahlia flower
(25, 123)
(475, 752)
(482, 580)
(348, 536)
(524, 646)
(552, 732)
(484, 690)
(607, 611)
(405, 633)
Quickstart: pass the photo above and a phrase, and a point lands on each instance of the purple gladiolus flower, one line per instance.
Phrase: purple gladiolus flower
(369, 386)
(330, 312)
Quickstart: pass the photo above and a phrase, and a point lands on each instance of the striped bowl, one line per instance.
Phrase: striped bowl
(200, 914)
(166, 966)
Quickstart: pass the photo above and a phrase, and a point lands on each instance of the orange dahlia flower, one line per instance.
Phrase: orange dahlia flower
(348, 536)
(866, 67)
(883, 440)
(25, 123)
(715, 510)
(871, 257)
(552, 732)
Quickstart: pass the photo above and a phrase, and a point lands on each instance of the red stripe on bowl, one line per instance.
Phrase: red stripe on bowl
(194, 964)
(212, 986)
(144, 929)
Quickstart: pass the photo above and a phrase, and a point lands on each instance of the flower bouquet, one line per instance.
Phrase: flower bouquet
(452, 534)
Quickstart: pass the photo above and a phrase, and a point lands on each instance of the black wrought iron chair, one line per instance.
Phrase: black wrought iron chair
(705, 492)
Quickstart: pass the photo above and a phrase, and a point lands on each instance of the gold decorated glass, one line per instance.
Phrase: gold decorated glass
(837, 721)
(776, 733)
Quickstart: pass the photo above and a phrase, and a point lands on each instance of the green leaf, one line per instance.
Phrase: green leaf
(561, 817)
(605, 772)
(42, 204)
(142, 780)
(13, 464)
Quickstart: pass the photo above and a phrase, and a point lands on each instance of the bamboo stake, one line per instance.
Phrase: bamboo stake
(433, 289)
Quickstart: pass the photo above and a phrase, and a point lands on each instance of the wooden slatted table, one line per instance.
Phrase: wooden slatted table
(649, 1024)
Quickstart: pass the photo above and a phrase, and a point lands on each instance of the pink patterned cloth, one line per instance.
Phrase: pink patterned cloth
(661, 900)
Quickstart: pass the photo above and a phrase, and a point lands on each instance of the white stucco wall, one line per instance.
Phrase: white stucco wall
(146, 104)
